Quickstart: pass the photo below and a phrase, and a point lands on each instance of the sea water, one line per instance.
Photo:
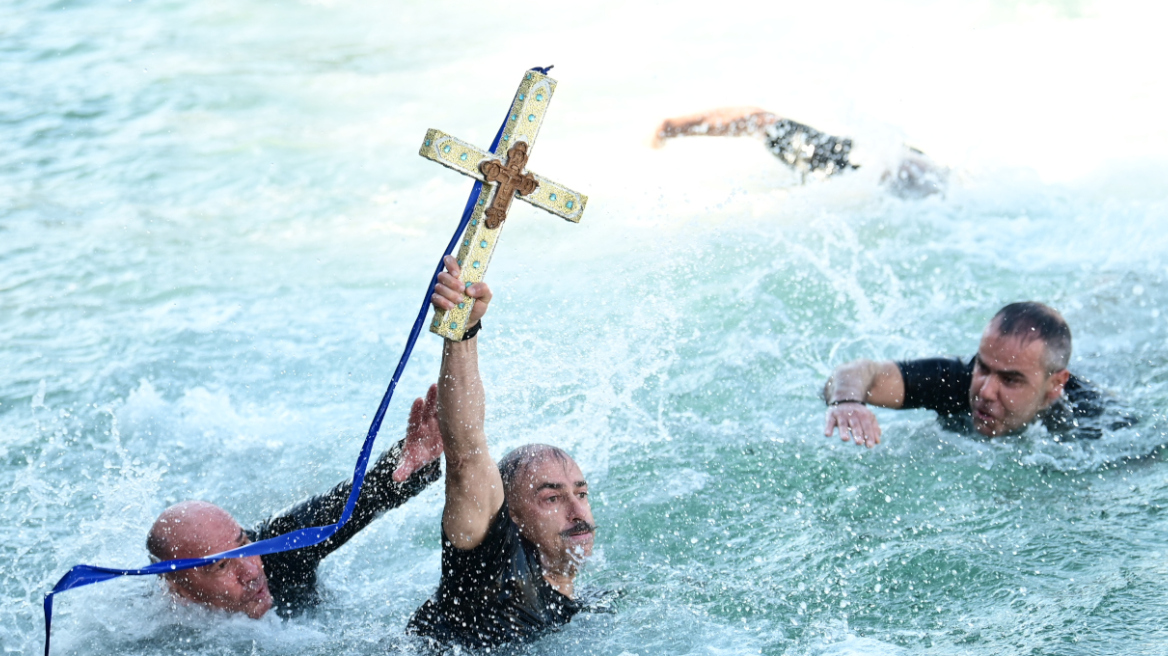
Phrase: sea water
(215, 232)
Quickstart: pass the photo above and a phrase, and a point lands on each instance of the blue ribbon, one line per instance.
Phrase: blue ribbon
(83, 575)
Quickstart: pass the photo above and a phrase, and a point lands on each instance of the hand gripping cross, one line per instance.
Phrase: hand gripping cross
(506, 179)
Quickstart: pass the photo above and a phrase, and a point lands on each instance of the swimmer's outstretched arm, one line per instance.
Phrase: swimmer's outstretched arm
(853, 385)
(474, 489)
(722, 122)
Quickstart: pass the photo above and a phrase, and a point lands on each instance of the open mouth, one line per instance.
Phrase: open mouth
(260, 592)
(981, 415)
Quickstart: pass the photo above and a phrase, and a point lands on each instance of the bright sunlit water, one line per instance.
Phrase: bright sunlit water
(215, 231)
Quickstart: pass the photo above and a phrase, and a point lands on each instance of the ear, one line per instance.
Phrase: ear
(1054, 386)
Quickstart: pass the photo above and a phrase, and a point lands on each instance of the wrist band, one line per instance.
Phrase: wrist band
(472, 331)
(842, 401)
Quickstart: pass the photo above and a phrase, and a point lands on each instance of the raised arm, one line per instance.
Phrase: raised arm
(403, 471)
(722, 122)
(855, 384)
(474, 489)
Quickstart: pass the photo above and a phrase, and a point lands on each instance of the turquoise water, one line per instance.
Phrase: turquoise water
(215, 231)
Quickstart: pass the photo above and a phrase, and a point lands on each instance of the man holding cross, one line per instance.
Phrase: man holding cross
(514, 534)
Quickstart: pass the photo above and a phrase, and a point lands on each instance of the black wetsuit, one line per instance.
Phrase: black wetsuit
(800, 145)
(292, 574)
(943, 384)
(492, 594)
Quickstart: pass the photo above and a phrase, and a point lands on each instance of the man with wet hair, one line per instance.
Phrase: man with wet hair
(1018, 376)
(806, 150)
(514, 534)
(287, 581)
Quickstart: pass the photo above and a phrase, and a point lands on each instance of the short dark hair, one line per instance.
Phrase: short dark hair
(519, 458)
(1029, 321)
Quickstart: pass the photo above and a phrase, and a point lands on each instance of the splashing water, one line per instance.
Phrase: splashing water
(214, 229)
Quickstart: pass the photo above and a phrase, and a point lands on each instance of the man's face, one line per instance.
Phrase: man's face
(1010, 383)
(238, 585)
(549, 502)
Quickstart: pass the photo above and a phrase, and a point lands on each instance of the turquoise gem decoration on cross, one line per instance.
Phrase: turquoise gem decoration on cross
(505, 177)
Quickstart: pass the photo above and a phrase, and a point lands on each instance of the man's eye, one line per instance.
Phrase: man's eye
(222, 564)
(552, 499)
(583, 495)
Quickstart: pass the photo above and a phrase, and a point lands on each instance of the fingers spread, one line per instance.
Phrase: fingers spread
(855, 423)
(431, 409)
(856, 430)
(416, 414)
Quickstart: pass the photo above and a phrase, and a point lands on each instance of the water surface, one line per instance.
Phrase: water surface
(215, 230)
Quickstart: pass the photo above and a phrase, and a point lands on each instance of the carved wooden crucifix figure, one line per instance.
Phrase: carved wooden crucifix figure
(511, 180)
(504, 180)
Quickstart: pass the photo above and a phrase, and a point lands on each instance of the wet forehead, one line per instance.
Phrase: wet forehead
(201, 534)
(1010, 353)
(551, 470)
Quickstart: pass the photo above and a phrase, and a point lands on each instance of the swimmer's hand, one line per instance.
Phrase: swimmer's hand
(663, 132)
(423, 439)
(449, 290)
(855, 422)
(721, 122)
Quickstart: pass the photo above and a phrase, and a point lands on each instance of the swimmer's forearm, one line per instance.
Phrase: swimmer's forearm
(849, 382)
(726, 122)
(866, 381)
(474, 490)
(461, 401)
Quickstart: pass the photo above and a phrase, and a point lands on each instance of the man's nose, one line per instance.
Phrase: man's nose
(250, 568)
(577, 509)
(989, 389)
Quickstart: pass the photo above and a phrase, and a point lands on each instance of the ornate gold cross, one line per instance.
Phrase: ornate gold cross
(504, 180)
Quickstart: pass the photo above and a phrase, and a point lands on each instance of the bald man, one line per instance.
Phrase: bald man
(287, 581)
